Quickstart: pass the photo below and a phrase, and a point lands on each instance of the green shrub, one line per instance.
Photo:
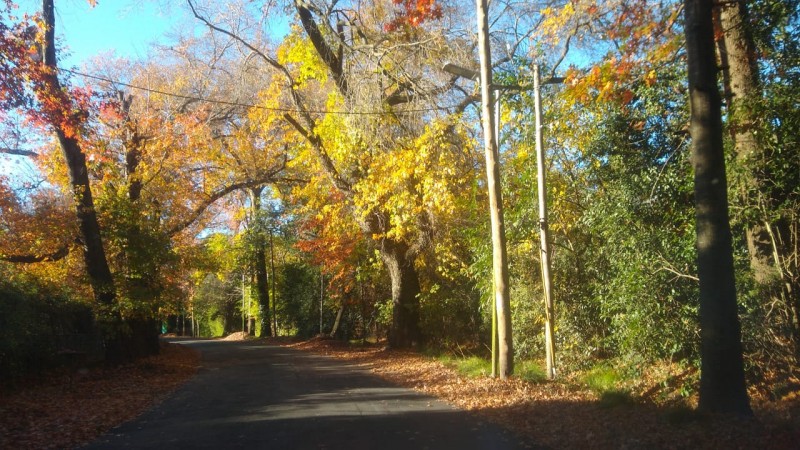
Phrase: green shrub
(38, 328)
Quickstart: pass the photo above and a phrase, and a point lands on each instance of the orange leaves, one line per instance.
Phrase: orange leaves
(412, 13)
(90, 403)
(608, 81)
(332, 245)
(635, 37)
(38, 225)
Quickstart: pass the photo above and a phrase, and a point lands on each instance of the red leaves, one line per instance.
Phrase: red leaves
(110, 111)
(28, 85)
(413, 13)
(332, 251)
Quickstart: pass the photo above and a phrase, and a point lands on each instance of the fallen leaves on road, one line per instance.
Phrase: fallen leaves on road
(564, 415)
(65, 412)
(237, 336)
(69, 409)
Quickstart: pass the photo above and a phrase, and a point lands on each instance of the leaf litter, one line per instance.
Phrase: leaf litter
(564, 414)
(68, 410)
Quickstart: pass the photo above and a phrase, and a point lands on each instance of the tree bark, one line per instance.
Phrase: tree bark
(337, 322)
(767, 242)
(57, 255)
(94, 255)
(740, 75)
(405, 331)
(260, 266)
(722, 384)
(273, 279)
(398, 257)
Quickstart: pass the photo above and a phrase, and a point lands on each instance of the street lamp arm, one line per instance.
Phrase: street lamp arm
(462, 72)
(473, 75)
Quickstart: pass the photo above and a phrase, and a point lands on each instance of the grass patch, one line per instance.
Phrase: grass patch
(532, 371)
(473, 366)
(605, 381)
(470, 366)
(601, 378)
(476, 366)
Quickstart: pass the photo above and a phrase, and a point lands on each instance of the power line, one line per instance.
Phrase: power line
(248, 105)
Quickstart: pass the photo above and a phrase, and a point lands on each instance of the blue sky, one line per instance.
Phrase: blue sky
(126, 27)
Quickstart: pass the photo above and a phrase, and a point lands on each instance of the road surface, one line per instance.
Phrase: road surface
(253, 396)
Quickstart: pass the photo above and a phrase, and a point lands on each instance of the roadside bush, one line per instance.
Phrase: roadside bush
(37, 330)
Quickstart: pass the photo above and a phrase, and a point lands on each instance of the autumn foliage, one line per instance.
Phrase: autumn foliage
(28, 85)
(413, 13)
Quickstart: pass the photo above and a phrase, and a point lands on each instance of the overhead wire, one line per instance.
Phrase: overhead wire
(248, 105)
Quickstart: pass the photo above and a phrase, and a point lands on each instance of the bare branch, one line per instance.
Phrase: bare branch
(19, 152)
(57, 255)
(270, 177)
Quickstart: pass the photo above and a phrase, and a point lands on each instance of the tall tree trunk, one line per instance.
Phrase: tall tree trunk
(722, 384)
(398, 257)
(272, 281)
(144, 329)
(505, 357)
(740, 75)
(94, 255)
(405, 331)
(260, 266)
(767, 242)
(337, 321)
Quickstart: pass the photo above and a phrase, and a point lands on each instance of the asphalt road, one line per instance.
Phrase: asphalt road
(266, 397)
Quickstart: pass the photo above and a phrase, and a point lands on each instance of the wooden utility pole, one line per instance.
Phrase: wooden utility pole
(493, 184)
(544, 254)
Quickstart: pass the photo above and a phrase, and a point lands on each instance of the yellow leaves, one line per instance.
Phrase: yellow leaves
(555, 20)
(560, 23)
(650, 78)
(297, 52)
(418, 176)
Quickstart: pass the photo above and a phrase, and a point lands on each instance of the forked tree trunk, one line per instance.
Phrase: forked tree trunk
(722, 384)
(94, 255)
(405, 331)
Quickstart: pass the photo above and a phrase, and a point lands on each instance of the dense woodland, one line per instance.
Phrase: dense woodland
(309, 167)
